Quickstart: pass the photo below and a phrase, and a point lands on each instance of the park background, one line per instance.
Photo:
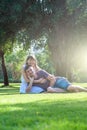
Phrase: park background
(15, 60)
(55, 31)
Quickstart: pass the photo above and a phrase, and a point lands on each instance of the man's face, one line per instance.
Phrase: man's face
(30, 71)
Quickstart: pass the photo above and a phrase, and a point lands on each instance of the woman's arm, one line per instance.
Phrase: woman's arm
(52, 79)
(40, 80)
(25, 76)
(49, 77)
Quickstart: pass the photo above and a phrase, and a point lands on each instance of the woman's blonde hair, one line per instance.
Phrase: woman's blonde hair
(32, 58)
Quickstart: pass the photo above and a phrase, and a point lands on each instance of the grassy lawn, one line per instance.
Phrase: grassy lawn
(66, 111)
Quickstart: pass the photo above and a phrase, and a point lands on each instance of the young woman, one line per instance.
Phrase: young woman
(25, 80)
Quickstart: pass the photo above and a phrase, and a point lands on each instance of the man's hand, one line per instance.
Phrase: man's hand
(30, 85)
(31, 79)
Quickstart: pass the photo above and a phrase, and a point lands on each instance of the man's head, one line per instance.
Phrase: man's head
(29, 70)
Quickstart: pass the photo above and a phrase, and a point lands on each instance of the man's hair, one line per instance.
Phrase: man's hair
(27, 67)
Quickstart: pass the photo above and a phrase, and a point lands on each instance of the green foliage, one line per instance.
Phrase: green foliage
(83, 76)
(44, 61)
(64, 21)
(14, 63)
(35, 16)
(78, 9)
(16, 59)
(18, 15)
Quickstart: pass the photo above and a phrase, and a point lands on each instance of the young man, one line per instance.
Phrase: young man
(39, 79)
(26, 87)
(51, 83)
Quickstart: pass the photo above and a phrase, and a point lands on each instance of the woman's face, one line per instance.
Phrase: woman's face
(31, 62)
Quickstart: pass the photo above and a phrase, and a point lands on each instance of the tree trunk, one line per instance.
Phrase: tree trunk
(6, 83)
(61, 50)
(60, 44)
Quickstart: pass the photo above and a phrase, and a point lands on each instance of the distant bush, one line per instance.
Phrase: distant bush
(14, 81)
(83, 76)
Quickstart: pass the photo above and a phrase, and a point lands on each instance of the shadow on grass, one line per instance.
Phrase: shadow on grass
(35, 114)
(10, 90)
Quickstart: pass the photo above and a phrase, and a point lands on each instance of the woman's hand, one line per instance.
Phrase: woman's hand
(42, 80)
(31, 78)
(52, 79)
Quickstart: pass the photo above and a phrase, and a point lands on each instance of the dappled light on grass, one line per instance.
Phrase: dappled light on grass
(13, 88)
(42, 111)
(9, 91)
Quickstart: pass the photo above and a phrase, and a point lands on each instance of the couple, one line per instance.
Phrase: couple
(36, 80)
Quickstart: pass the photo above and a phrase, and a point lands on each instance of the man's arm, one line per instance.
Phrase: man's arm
(30, 85)
(49, 77)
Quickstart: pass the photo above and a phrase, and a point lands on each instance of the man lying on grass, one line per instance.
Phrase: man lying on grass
(51, 83)
(37, 82)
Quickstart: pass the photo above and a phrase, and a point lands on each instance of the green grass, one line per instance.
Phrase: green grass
(66, 111)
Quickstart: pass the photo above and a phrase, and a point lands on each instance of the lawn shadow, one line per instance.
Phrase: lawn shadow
(10, 90)
(35, 113)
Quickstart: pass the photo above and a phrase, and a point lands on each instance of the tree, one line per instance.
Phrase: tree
(4, 69)
(14, 16)
(64, 36)
(59, 18)
(14, 62)
(17, 18)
